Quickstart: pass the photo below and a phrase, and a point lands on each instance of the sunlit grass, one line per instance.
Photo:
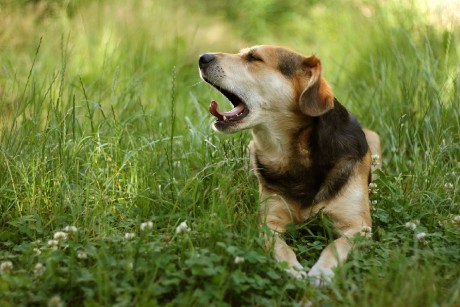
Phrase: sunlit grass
(104, 127)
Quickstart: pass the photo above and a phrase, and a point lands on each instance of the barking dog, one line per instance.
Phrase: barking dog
(308, 152)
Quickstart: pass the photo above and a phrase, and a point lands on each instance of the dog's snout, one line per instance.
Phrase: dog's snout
(206, 59)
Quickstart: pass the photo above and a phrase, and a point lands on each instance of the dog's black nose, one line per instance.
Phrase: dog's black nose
(206, 59)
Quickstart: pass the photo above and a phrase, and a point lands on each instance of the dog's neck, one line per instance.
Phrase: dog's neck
(269, 140)
(275, 142)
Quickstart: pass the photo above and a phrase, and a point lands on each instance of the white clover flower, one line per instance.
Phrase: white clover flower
(71, 229)
(420, 236)
(410, 225)
(456, 219)
(82, 255)
(60, 235)
(448, 186)
(39, 269)
(182, 228)
(55, 301)
(6, 267)
(375, 160)
(53, 243)
(373, 188)
(37, 251)
(146, 225)
(238, 260)
(129, 236)
(366, 231)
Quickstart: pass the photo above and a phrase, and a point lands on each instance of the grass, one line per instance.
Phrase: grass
(104, 126)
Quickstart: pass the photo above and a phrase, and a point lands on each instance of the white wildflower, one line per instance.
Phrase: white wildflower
(60, 235)
(375, 160)
(53, 243)
(420, 236)
(448, 186)
(373, 188)
(366, 231)
(374, 202)
(456, 219)
(71, 229)
(82, 255)
(238, 260)
(55, 301)
(6, 267)
(37, 251)
(129, 236)
(410, 225)
(39, 269)
(182, 228)
(146, 225)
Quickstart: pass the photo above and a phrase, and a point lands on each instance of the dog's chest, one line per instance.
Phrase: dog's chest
(294, 178)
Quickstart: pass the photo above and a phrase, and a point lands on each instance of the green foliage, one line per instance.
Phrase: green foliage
(104, 126)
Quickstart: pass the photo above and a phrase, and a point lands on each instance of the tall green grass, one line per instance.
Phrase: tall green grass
(104, 126)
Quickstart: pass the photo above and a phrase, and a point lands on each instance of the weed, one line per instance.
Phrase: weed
(115, 191)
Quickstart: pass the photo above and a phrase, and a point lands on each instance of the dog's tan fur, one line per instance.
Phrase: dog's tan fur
(286, 95)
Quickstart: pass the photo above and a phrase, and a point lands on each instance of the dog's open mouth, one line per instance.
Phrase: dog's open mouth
(239, 111)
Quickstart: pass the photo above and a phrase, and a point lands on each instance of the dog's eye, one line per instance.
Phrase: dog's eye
(251, 57)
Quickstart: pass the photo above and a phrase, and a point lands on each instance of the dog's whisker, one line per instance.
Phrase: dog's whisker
(195, 84)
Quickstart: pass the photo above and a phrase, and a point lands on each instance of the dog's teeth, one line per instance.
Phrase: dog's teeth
(225, 117)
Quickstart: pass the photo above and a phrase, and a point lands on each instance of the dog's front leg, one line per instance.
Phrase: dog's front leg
(333, 255)
(355, 219)
(276, 214)
(350, 213)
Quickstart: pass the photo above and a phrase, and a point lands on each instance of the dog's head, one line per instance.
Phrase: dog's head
(265, 82)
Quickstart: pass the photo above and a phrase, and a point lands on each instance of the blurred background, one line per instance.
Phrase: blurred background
(129, 52)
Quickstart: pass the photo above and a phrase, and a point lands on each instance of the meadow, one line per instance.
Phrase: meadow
(114, 190)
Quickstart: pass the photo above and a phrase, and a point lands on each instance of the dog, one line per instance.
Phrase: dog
(308, 152)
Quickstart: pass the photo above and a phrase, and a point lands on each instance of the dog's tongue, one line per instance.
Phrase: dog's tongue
(214, 110)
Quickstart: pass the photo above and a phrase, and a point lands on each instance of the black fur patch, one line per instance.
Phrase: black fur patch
(288, 64)
(336, 144)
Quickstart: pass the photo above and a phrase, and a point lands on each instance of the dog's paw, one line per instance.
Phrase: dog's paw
(296, 270)
(297, 273)
(320, 276)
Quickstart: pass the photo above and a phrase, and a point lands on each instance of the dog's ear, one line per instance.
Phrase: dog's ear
(317, 97)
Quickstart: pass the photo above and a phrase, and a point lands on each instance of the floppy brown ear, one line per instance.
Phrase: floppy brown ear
(317, 97)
